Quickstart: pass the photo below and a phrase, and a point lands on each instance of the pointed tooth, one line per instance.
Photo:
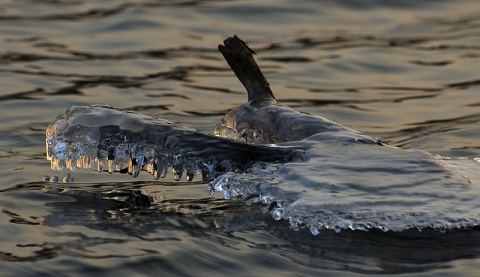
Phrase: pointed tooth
(111, 152)
(89, 158)
(158, 168)
(136, 170)
(207, 172)
(156, 174)
(164, 172)
(60, 165)
(191, 170)
(190, 176)
(110, 166)
(177, 170)
(70, 164)
(53, 163)
(48, 145)
(79, 162)
(57, 164)
(130, 165)
(206, 177)
(177, 175)
(100, 165)
(119, 164)
(134, 166)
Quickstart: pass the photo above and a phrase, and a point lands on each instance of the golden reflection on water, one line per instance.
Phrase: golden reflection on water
(404, 71)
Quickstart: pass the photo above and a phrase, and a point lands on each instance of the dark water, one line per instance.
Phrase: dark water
(403, 71)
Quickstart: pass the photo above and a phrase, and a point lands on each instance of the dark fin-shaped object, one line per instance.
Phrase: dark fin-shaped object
(240, 58)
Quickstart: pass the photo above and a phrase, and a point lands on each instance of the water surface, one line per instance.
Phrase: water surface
(402, 71)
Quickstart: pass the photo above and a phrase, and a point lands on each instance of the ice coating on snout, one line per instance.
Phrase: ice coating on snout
(108, 139)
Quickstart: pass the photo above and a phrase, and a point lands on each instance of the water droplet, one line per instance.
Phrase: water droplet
(66, 179)
(277, 213)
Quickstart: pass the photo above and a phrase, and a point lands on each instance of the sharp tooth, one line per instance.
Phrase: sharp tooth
(130, 165)
(53, 165)
(159, 168)
(48, 146)
(110, 166)
(111, 152)
(164, 172)
(70, 164)
(177, 171)
(207, 172)
(119, 164)
(149, 168)
(134, 166)
(100, 165)
(190, 176)
(59, 164)
(79, 163)
(191, 169)
(136, 169)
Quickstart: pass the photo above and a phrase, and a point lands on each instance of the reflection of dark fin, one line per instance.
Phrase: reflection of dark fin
(240, 58)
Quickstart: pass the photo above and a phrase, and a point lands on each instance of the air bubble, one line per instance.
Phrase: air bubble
(277, 213)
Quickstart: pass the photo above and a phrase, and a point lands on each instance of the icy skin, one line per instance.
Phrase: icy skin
(104, 138)
(262, 123)
(261, 119)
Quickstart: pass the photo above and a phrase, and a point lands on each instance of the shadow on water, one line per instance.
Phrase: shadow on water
(133, 212)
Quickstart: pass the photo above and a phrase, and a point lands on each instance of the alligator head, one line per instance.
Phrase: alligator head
(346, 180)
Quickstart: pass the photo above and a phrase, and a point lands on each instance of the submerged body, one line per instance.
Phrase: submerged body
(307, 169)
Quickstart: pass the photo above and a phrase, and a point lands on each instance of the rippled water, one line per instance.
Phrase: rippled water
(403, 71)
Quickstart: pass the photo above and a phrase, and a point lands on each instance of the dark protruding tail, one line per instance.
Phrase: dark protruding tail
(240, 58)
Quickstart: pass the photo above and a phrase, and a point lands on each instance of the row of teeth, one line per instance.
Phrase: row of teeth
(125, 158)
